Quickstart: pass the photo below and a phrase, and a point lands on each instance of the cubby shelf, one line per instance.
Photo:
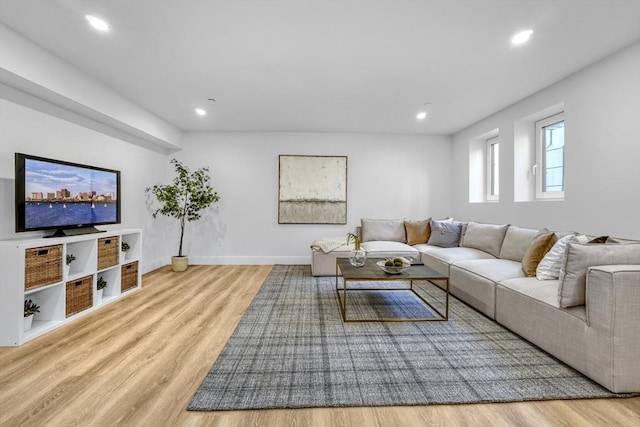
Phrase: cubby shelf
(55, 298)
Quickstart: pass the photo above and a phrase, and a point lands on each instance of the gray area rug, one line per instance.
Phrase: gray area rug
(292, 350)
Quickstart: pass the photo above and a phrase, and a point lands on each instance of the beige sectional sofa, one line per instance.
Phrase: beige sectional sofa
(588, 317)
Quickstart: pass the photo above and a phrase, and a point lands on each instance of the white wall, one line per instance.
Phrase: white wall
(602, 163)
(389, 176)
(32, 132)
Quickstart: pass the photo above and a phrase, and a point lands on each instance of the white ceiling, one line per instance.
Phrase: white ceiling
(327, 66)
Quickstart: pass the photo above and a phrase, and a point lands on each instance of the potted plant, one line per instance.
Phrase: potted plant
(30, 309)
(184, 199)
(69, 260)
(123, 250)
(100, 286)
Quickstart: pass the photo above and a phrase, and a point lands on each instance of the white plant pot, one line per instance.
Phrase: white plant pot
(28, 321)
(123, 256)
(99, 293)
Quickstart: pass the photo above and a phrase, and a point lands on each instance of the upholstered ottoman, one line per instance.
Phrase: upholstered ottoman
(324, 263)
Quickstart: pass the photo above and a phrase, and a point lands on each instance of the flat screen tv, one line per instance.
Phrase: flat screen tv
(70, 198)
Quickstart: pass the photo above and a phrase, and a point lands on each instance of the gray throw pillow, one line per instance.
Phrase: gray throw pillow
(445, 234)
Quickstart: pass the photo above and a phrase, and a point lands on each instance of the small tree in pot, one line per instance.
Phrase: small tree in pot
(184, 199)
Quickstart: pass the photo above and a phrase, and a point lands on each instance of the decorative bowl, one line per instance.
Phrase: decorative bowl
(394, 270)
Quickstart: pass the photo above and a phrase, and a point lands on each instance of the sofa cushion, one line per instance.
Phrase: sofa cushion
(445, 234)
(549, 266)
(541, 290)
(486, 237)
(451, 255)
(383, 229)
(440, 258)
(538, 248)
(495, 270)
(579, 257)
(387, 249)
(418, 231)
(516, 241)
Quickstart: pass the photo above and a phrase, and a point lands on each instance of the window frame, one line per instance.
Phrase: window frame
(539, 169)
(491, 172)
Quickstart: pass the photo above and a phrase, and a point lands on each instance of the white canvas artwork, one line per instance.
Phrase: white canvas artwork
(312, 190)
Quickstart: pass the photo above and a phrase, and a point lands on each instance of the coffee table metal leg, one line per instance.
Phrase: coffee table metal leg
(342, 302)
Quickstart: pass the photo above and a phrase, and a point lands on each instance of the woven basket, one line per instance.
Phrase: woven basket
(129, 276)
(42, 266)
(79, 295)
(108, 252)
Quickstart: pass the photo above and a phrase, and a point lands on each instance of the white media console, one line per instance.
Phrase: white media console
(36, 269)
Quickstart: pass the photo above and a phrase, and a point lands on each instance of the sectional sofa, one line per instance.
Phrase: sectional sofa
(578, 301)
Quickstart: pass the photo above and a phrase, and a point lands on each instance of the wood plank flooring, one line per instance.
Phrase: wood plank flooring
(138, 362)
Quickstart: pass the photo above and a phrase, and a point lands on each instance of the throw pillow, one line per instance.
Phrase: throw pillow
(485, 237)
(538, 248)
(445, 234)
(600, 239)
(549, 266)
(417, 231)
(573, 279)
(603, 239)
(391, 230)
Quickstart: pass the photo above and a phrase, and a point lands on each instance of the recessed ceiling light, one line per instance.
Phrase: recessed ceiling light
(422, 115)
(521, 37)
(200, 111)
(97, 23)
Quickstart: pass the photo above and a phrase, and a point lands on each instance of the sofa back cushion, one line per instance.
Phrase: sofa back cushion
(418, 231)
(485, 237)
(516, 241)
(445, 234)
(573, 274)
(391, 230)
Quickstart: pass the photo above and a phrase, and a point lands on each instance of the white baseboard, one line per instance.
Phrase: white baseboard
(249, 260)
(148, 266)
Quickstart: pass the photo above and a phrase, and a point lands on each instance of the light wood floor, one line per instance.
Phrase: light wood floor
(137, 362)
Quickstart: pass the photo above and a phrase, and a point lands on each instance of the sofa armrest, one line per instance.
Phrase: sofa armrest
(613, 296)
(613, 310)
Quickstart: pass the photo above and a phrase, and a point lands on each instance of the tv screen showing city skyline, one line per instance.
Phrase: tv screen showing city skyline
(58, 194)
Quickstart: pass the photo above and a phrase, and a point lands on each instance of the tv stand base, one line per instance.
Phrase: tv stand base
(66, 232)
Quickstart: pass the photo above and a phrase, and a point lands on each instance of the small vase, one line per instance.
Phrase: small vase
(357, 257)
(28, 321)
(99, 293)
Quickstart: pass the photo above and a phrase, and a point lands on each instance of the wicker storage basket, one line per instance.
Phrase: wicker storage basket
(108, 252)
(129, 276)
(79, 295)
(42, 266)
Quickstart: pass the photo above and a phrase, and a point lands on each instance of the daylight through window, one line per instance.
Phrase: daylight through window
(493, 168)
(550, 157)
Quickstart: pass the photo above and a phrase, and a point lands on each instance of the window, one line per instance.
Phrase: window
(493, 168)
(549, 168)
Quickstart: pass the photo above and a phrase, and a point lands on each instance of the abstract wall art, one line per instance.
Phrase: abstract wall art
(312, 190)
